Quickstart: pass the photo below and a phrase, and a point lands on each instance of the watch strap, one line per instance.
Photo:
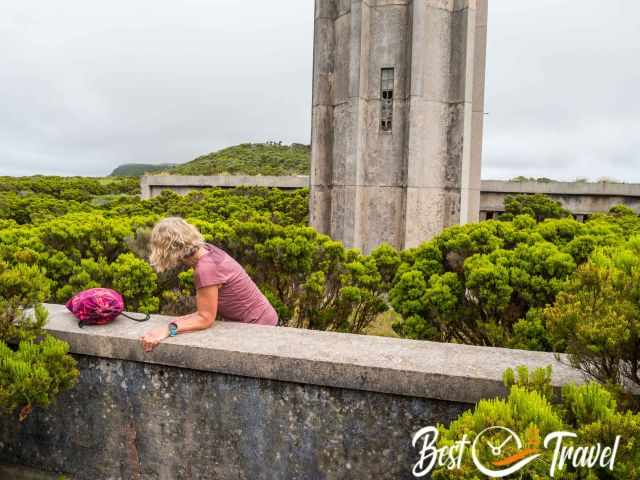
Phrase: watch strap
(173, 329)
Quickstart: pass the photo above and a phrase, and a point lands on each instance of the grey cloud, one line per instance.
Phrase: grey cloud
(86, 86)
(562, 96)
(89, 85)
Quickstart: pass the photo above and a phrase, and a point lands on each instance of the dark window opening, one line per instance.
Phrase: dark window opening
(386, 96)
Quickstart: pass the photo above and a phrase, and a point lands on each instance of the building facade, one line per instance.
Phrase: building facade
(398, 94)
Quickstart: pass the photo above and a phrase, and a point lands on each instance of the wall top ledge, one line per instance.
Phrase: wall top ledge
(302, 181)
(562, 188)
(458, 373)
(290, 181)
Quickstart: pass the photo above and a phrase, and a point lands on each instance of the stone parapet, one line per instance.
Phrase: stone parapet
(442, 371)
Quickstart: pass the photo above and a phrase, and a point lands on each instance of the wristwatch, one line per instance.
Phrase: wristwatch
(173, 329)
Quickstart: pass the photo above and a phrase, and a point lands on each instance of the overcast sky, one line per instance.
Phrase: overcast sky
(86, 85)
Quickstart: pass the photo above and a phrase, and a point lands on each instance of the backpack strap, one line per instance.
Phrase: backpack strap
(147, 317)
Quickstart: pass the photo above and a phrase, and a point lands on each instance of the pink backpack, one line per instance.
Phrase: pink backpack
(98, 306)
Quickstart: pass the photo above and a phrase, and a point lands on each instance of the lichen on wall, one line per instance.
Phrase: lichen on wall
(130, 420)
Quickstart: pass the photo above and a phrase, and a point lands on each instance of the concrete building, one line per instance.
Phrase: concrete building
(398, 92)
(153, 185)
(580, 198)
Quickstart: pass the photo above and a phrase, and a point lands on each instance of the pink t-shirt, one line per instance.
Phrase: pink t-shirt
(239, 298)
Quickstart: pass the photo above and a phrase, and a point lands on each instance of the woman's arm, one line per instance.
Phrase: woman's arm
(207, 309)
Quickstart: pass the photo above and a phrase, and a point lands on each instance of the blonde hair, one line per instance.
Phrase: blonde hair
(173, 240)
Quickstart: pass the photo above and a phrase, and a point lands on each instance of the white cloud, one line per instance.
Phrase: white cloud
(562, 89)
(86, 86)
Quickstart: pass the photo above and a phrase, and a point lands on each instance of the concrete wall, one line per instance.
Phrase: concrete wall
(244, 401)
(153, 185)
(582, 199)
(403, 186)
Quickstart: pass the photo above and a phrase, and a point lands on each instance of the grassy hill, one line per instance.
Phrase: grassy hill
(139, 169)
(250, 159)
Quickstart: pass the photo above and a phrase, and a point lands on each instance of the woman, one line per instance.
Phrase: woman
(222, 285)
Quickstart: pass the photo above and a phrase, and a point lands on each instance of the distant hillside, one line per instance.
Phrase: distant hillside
(139, 169)
(251, 159)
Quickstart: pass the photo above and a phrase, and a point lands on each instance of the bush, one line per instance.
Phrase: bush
(488, 283)
(34, 374)
(597, 318)
(485, 284)
(34, 366)
(312, 281)
(536, 205)
(476, 283)
(251, 159)
(530, 411)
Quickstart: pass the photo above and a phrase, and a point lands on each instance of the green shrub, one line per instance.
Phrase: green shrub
(20, 286)
(54, 186)
(34, 374)
(536, 205)
(85, 236)
(312, 281)
(485, 284)
(597, 318)
(131, 276)
(34, 366)
(529, 410)
(251, 159)
(136, 280)
(489, 283)
(476, 283)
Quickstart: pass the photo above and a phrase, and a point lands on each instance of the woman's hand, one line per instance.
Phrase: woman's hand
(153, 337)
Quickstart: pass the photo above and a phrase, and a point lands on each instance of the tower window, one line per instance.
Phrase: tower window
(386, 99)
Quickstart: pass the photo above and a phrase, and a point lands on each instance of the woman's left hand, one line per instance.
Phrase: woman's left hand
(152, 338)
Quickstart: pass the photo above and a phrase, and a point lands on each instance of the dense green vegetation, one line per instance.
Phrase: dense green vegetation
(270, 158)
(34, 366)
(532, 411)
(139, 169)
(251, 159)
(596, 318)
(536, 205)
(35, 199)
(312, 281)
(535, 279)
(66, 188)
(522, 178)
(556, 285)
(523, 284)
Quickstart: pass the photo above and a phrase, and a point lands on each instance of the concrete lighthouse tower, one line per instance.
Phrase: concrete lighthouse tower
(398, 93)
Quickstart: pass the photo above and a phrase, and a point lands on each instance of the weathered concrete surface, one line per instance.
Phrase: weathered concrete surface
(563, 188)
(19, 472)
(457, 373)
(251, 402)
(402, 186)
(128, 420)
(153, 185)
(580, 198)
